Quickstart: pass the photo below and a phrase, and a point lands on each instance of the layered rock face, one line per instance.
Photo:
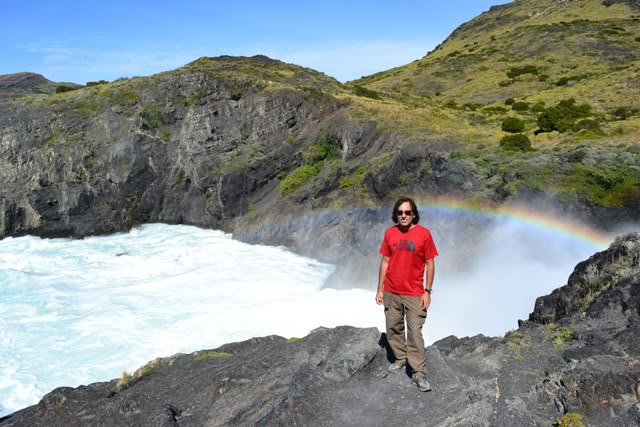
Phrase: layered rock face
(577, 357)
(185, 147)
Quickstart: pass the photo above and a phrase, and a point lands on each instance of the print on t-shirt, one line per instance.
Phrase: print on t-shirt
(405, 245)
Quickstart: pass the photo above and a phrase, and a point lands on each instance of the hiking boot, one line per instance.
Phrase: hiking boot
(395, 367)
(421, 382)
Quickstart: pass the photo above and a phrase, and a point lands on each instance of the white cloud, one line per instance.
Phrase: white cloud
(60, 61)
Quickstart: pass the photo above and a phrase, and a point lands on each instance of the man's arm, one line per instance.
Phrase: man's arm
(425, 301)
(384, 263)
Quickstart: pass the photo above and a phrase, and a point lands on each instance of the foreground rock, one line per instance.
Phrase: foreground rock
(578, 356)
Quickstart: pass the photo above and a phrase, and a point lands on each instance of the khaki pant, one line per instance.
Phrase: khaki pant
(397, 308)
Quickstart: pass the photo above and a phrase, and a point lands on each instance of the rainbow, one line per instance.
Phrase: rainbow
(522, 214)
(453, 206)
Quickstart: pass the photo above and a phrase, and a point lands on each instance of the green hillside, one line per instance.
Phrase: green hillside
(563, 74)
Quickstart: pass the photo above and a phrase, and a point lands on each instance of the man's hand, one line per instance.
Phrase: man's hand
(425, 300)
(379, 297)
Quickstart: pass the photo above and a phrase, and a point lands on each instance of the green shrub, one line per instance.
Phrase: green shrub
(637, 39)
(324, 148)
(64, 88)
(564, 80)
(563, 335)
(99, 82)
(505, 83)
(87, 109)
(206, 355)
(538, 107)
(124, 97)
(509, 101)
(525, 69)
(562, 116)
(123, 381)
(543, 77)
(451, 104)
(520, 106)
(512, 125)
(235, 94)
(570, 419)
(515, 142)
(496, 109)
(318, 152)
(54, 138)
(165, 135)
(151, 116)
(363, 91)
(355, 178)
(297, 178)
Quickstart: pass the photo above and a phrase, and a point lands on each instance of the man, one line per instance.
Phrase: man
(406, 250)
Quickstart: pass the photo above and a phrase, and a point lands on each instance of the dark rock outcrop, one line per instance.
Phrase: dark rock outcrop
(635, 4)
(582, 357)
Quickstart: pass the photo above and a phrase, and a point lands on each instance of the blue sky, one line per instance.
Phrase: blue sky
(82, 41)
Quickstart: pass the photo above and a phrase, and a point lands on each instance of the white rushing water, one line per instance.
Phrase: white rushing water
(78, 311)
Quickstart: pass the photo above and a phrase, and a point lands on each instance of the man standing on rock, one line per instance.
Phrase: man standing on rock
(406, 249)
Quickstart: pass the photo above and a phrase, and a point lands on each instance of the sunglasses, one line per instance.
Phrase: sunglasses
(406, 213)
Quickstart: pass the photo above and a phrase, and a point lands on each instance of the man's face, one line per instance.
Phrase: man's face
(405, 214)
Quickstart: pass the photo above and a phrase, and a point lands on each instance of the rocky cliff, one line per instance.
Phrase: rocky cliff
(576, 360)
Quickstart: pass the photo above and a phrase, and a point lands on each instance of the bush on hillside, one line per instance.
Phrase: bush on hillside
(64, 88)
(323, 149)
(151, 116)
(512, 125)
(496, 109)
(515, 142)
(509, 101)
(562, 116)
(563, 81)
(525, 69)
(538, 107)
(520, 106)
(235, 94)
(363, 91)
(99, 82)
(451, 104)
(297, 178)
(471, 106)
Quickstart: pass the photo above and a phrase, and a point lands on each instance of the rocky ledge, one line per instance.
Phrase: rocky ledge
(576, 360)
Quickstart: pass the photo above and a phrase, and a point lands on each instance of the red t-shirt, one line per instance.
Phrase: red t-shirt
(407, 251)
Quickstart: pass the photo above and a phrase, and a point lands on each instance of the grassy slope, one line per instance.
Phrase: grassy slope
(449, 94)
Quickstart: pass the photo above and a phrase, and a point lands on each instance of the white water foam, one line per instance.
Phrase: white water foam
(78, 311)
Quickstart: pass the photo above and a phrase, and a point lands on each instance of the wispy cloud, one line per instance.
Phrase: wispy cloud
(62, 61)
(351, 60)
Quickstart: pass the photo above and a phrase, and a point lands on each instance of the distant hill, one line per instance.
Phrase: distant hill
(539, 50)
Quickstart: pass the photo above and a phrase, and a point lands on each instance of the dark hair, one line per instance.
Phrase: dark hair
(414, 208)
